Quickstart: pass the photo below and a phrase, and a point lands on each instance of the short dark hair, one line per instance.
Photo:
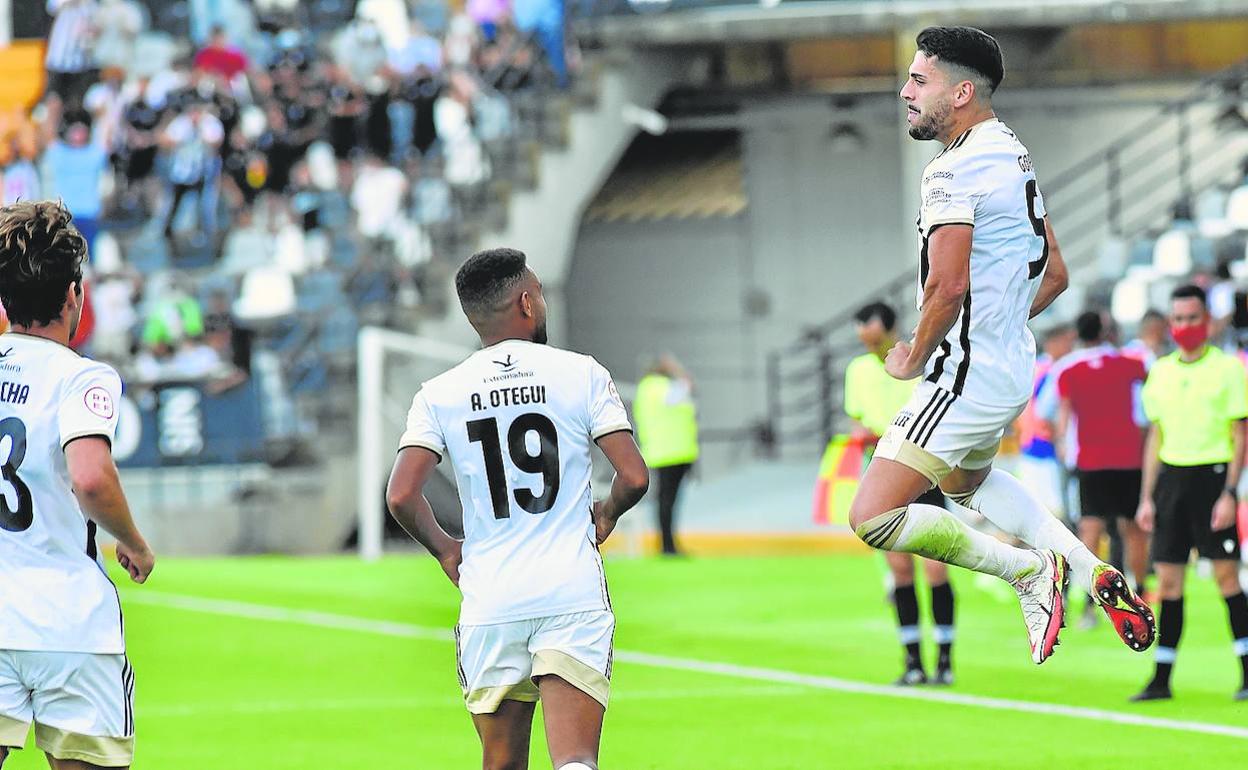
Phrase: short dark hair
(484, 280)
(1153, 314)
(1190, 291)
(880, 310)
(1090, 326)
(966, 47)
(41, 254)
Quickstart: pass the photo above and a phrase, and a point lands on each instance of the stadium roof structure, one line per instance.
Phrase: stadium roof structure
(674, 22)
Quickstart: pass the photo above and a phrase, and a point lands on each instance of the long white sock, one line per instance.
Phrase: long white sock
(1003, 500)
(575, 766)
(934, 533)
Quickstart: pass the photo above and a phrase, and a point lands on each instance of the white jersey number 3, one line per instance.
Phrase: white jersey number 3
(17, 511)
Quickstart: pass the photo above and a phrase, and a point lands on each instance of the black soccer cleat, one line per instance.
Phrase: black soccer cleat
(1153, 691)
(911, 678)
(943, 677)
(1242, 695)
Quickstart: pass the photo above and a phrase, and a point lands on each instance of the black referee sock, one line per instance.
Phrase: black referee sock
(1237, 610)
(1169, 629)
(907, 603)
(942, 617)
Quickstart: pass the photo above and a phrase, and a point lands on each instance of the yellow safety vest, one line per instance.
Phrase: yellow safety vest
(668, 433)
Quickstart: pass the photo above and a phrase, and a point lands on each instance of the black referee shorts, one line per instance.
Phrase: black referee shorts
(1184, 499)
(1110, 494)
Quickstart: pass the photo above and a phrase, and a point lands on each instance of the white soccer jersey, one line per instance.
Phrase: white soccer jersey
(54, 593)
(517, 419)
(985, 178)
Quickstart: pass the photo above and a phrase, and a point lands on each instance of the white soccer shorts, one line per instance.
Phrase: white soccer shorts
(498, 662)
(82, 705)
(938, 431)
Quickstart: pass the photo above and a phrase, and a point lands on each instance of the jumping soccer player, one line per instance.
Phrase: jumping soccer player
(518, 418)
(989, 262)
(63, 662)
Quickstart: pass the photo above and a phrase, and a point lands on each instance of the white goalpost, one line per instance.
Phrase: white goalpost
(385, 390)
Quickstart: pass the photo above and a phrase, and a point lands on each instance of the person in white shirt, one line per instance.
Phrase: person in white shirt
(63, 664)
(518, 420)
(989, 262)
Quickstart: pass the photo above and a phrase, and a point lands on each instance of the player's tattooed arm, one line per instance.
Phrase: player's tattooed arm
(1056, 276)
(948, 281)
(405, 498)
(97, 485)
(632, 479)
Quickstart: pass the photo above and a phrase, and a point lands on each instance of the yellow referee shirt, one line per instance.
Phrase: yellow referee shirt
(1194, 404)
(872, 396)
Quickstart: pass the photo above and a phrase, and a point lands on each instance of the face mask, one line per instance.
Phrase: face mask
(1190, 337)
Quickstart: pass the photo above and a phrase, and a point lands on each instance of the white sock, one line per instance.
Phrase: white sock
(575, 766)
(934, 533)
(1003, 500)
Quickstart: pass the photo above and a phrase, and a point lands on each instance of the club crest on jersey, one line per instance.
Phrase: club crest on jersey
(1024, 163)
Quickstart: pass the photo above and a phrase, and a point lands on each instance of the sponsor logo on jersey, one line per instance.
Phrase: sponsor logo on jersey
(507, 365)
(938, 175)
(1024, 163)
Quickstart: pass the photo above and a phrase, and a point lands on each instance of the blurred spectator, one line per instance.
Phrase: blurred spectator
(119, 23)
(207, 16)
(667, 430)
(74, 170)
(466, 163)
(140, 119)
(220, 58)
(346, 107)
(113, 296)
(488, 14)
(1152, 339)
(377, 197)
(222, 332)
(17, 164)
(70, 61)
(193, 139)
(432, 203)
(106, 104)
(173, 318)
(1222, 299)
(412, 67)
(544, 20)
(461, 43)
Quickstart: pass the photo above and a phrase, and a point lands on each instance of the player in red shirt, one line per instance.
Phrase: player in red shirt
(1099, 389)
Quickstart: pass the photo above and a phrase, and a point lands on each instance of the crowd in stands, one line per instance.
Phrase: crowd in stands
(264, 171)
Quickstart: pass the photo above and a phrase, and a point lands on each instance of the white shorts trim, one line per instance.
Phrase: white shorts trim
(497, 662)
(937, 431)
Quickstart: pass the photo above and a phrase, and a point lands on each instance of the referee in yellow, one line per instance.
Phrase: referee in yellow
(872, 400)
(1196, 399)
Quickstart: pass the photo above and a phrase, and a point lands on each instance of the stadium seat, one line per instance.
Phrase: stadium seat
(1172, 254)
(1130, 300)
(1112, 258)
(266, 293)
(1237, 208)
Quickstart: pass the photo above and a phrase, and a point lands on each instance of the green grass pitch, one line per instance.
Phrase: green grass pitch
(215, 690)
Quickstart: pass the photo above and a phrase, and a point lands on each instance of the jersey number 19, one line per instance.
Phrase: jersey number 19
(545, 462)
